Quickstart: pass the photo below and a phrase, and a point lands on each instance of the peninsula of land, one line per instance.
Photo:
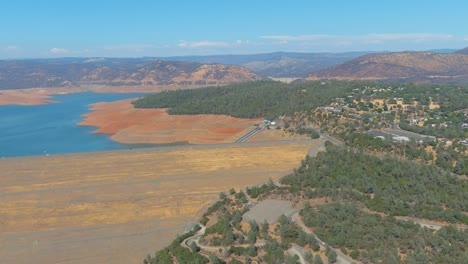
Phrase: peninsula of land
(129, 125)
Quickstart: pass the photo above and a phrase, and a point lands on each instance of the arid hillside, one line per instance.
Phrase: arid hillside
(418, 67)
(18, 74)
(463, 51)
(115, 207)
(171, 73)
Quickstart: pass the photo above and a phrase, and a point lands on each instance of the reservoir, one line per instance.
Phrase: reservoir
(52, 128)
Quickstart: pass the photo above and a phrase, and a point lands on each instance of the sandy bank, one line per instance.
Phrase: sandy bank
(24, 97)
(133, 126)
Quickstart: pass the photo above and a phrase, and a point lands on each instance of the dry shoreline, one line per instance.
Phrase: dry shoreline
(129, 125)
(38, 96)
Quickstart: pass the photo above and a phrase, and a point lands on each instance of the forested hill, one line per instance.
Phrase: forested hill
(266, 99)
(369, 208)
(387, 185)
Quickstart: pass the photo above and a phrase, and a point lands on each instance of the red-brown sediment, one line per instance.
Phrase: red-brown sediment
(136, 126)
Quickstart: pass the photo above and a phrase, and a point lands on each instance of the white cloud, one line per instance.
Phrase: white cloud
(297, 38)
(12, 48)
(465, 39)
(58, 51)
(201, 44)
(368, 39)
(242, 42)
(281, 42)
(131, 47)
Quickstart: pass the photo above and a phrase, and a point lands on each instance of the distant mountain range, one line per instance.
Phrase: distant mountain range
(418, 67)
(421, 67)
(16, 74)
(278, 64)
(184, 70)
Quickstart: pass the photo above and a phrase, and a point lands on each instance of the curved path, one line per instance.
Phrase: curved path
(299, 251)
(196, 238)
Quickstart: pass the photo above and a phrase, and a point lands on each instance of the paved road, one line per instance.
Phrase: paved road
(249, 135)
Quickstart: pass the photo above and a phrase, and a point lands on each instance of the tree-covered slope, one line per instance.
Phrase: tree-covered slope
(387, 185)
(372, 238)
(250, 99)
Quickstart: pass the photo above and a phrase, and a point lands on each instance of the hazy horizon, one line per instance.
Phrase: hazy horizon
(186, 28)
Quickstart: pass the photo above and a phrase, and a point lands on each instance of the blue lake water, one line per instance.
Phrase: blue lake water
(52, 128)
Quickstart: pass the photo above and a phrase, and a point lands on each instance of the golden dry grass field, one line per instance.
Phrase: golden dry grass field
(116, 207)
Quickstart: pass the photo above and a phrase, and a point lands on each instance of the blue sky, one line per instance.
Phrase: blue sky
(117, 28)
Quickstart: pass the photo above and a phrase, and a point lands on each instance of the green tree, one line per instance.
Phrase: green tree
(332, 256)
(222, 196)
(194, 247)
(318, 259)
(215, 260)
(264, 229)
(354, 254)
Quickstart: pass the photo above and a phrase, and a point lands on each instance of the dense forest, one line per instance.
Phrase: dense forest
(371, 192)
(269, 99)
(341, 222)
(272, 99)
(389, 185)
(356, 187)
(372, 238)
(266, 99)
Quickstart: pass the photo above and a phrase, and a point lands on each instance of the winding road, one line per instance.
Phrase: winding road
(294, 250)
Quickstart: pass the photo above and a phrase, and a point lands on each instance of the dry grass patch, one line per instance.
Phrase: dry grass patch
(118, 206)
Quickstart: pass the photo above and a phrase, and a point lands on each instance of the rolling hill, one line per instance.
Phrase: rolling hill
(76, 72)
(417, 67)
(278, 64)
(463, 51)
(179, 70)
